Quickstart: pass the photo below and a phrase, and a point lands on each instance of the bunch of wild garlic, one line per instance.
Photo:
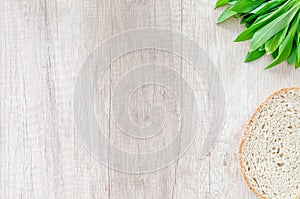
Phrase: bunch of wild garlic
(272, 26)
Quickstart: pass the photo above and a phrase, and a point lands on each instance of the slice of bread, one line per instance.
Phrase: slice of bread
(269, 153)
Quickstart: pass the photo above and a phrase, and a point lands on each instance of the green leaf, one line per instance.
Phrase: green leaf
(251, 19)
(267, 6)
(251, 56)
(297, 52)
(286, 47)
(245, 6)
(248, 33)
(226, 15)
(221, 3)
(272, 44)
(246, 18)
(275, 53)
(297, 61)
(292, 57)
(261, 17)
(262, 11)
(265, 33)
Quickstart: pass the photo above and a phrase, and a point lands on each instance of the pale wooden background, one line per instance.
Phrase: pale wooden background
(43, 45)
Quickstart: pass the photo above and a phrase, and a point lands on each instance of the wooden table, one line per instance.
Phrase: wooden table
(43, 46)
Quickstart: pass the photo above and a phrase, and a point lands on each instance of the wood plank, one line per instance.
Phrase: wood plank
(43, 46)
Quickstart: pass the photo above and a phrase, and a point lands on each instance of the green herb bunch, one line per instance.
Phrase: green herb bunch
(272, 26)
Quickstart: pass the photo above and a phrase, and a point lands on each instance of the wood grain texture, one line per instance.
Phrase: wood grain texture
(44, 44)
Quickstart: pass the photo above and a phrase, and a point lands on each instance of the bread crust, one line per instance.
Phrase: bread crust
(246, 132)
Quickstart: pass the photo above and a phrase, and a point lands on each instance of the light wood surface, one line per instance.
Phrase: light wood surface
(44, 44)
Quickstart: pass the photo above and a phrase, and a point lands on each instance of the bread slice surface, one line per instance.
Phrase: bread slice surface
(269, 152)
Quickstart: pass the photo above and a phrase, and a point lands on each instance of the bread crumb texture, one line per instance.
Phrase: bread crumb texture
(270, 151)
